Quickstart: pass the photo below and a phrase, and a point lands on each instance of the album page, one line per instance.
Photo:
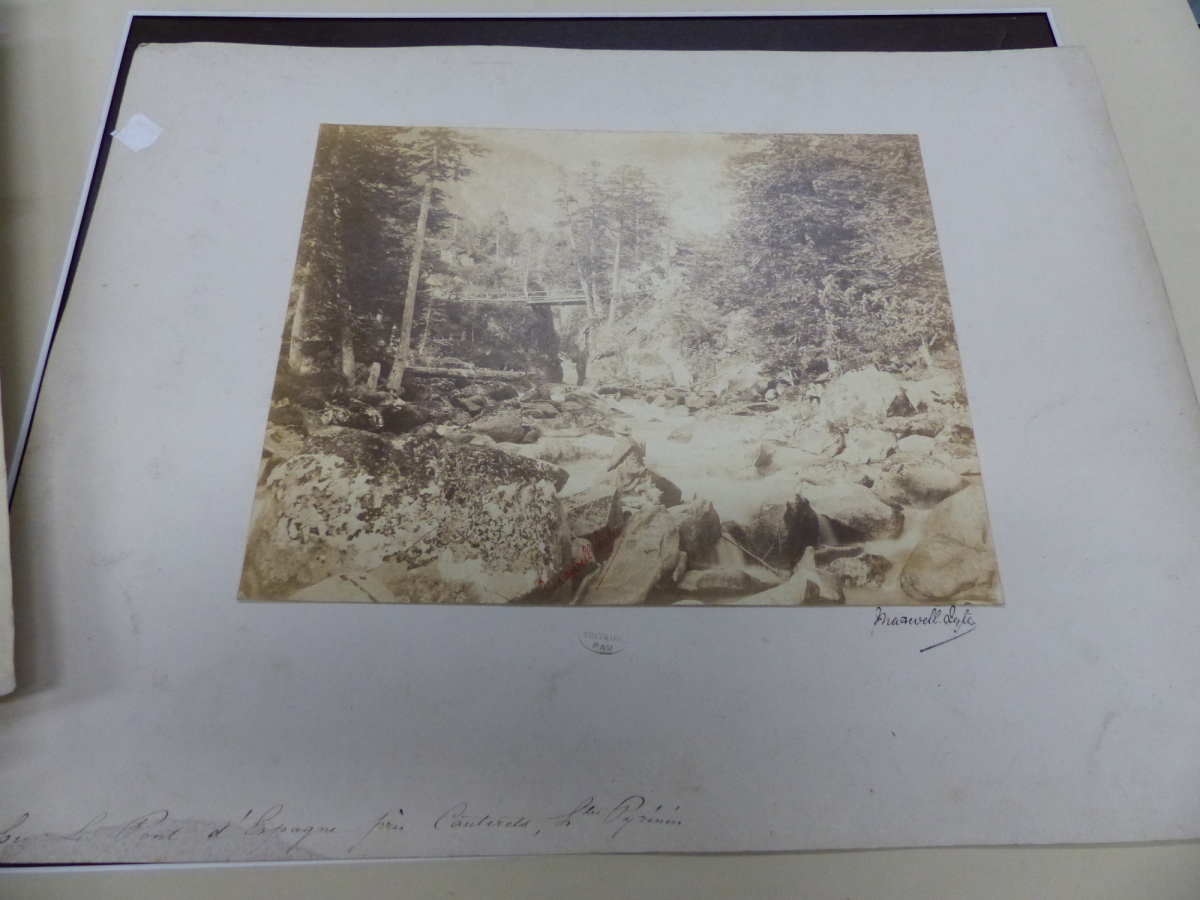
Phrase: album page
(464, 451)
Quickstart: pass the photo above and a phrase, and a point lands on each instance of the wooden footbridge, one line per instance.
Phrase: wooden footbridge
(532, 298)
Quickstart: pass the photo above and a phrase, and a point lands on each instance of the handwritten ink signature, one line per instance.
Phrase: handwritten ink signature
(960, 622)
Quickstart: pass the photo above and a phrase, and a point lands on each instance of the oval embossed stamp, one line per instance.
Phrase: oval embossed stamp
(602, 642)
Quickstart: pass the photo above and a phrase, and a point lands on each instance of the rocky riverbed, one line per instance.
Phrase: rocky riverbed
(861, 489)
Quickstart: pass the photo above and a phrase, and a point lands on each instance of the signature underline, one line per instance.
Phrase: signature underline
(949, 639)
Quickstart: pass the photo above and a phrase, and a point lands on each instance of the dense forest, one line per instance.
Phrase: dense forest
(827, 260)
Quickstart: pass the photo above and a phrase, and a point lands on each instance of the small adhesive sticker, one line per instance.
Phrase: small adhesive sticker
(138, 133)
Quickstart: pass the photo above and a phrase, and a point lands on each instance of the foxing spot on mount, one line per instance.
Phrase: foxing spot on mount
(599, 368)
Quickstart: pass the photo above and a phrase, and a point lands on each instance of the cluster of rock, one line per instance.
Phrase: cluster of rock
(441, 497)
(359, 516)
(869, 451)
(453, 494)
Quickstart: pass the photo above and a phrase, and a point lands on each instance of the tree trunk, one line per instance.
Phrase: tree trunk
(583, 283)
(298, 362)
(339, 274)
(425, 333)
(616, 282)
(593, 260)
(404, 351)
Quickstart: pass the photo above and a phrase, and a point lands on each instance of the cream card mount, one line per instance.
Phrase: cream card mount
(303, 730)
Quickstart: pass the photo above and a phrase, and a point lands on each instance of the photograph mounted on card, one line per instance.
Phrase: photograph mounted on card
(702, 292)
(618, 368)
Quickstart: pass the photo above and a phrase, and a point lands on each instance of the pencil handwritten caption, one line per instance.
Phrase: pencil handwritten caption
(952, 623)
(282, 836)
(633, 811)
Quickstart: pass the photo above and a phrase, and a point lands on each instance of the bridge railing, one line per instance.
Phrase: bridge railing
(534, 297)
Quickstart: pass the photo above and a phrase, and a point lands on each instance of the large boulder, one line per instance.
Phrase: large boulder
(592, 509)
(963, 465)
(777, 533)
(282, 442)
(560, 450)
(927, 424)
(940, 388)
(503, 392)
(772, 458)
(957, 433)
(863, 570)
(472, 404)
(833, 471)
(645, 554)
(915, 443)
(736, 376)
(506, 428)
(864, 396)
(854, 512)
(954, 559)
(425, 584)
(916, 479)
(940, 569)
(867, 445)
(726, 582)
(400, 417)
(352, 502)
(354, 415)
(539, 410)
(963, 518)
(819, 436)
(699, 531)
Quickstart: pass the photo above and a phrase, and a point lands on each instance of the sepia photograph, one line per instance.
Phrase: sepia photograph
(618, 368)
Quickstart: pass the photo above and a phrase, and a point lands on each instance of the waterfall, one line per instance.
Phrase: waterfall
(825, 534)
(729, 556)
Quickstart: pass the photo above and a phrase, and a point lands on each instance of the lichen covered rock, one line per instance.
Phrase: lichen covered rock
(353, 502)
